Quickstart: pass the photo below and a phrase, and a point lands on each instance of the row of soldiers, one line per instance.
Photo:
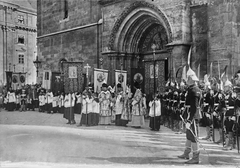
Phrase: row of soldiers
(219, 108)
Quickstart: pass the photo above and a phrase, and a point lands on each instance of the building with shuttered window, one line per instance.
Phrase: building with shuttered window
(18, 40)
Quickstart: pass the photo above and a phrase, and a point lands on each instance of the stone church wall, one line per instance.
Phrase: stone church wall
(220, 21)
(211, 25)
(75, 45)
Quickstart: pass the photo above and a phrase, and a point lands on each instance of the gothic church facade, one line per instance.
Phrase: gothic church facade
(119, 34)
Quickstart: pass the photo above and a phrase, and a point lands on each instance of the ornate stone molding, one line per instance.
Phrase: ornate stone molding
(26, 29)
(106, 2)
(127, 11)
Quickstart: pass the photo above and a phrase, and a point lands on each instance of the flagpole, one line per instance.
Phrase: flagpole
(154, 85)
(87, 67)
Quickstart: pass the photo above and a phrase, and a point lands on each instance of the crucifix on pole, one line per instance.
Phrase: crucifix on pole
(121, 64)
(101, 63)
(138, 58)
(87, 72)
(154, 85)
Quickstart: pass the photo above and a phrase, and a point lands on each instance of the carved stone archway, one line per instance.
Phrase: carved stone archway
(137, 28)
(142, 14)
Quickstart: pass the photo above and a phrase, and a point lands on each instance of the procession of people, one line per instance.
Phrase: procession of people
(183, 106)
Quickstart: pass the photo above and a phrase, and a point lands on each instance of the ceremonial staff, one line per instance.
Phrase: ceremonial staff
(87, 67)
(154, 85)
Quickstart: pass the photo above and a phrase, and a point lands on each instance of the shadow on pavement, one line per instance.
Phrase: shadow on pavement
(142, 160)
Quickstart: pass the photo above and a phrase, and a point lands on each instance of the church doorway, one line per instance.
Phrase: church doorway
(139, 27)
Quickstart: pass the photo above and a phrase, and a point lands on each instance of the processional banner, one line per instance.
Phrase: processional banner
(9, 79)
(100, 76)
(121, 77)
(47, 76)
(159, 77)
(73, 76)
(16, 81)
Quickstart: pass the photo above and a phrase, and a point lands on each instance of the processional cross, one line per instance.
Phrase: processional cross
(101, 62)
(87, 67)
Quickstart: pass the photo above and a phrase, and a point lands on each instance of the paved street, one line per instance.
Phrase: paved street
(32, 139)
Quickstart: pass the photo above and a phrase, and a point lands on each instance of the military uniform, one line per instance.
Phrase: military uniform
(229, 120)
(192, 105)
(208, 104)
(221, 109)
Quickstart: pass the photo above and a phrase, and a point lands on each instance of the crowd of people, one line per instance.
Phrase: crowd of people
(182, 107)
(216, 106)
(108, 106)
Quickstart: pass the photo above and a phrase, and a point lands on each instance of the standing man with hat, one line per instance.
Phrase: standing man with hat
(192, 104)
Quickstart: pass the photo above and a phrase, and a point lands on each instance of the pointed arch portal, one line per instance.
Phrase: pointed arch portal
(137, 28)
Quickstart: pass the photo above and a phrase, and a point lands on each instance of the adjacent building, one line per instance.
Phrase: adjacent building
(18, 40)
(119, 34)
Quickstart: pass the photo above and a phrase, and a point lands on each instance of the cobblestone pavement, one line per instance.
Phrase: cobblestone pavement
(33, 139)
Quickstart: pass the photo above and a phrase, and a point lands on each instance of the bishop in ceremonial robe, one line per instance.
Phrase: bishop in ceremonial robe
(105, 110)
(137, 109)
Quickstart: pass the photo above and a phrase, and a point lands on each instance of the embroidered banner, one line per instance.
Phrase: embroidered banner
(73, 76)
(100, 76)
(47, 76)
(121, 77)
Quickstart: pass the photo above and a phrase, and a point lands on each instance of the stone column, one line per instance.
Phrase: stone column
(178, 56)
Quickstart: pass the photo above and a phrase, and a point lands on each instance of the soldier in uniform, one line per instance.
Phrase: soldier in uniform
(182, 104)
(229, 117)
(237, 106)
(208, 104)
(164, 107)
(219, 113)
(176, 117)
(170, 106)
(192, 104)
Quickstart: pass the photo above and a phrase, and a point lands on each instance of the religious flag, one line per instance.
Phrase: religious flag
(47, 76)
(9, 79)
(22, 79)
(100, 77)
(15, 81)
(121, 77)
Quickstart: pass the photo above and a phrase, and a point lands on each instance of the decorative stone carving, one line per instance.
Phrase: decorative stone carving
(127, 11)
